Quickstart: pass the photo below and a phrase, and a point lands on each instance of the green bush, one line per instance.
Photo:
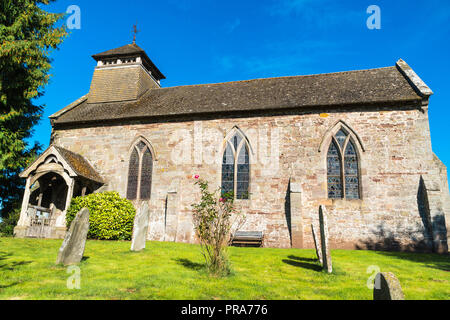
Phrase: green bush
(8, 223)
(110, 216)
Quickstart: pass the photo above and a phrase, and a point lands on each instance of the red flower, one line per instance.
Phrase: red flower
(221, 200)
(197, 176)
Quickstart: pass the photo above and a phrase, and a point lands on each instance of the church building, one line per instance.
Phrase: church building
(357, 142)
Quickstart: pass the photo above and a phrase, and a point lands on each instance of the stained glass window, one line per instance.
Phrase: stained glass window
(341, 136)
(228, 170)
(236, 141)
(140, 172)
(236, 167)
(133, 174)
(351, 172)
(342, 168)
(146, 174)
(243, 174)
(141, 145)
(334, 172)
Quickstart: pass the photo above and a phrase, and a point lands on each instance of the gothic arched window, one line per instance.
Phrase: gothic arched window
(140, 172)
(342, 168)
(236, 167)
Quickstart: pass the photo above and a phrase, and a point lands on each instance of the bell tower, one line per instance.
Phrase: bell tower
(123, 74)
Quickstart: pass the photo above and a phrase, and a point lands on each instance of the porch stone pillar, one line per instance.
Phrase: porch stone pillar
(295, 196)
(172, 207)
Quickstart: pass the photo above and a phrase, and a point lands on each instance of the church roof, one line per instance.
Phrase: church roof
(78, 165)
(130, 50)
(363, 88)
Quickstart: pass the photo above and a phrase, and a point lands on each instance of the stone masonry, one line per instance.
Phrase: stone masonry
(395, 153)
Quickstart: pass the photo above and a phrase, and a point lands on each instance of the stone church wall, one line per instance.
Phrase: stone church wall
(394, 150)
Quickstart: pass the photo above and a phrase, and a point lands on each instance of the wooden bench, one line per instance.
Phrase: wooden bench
(247, 238)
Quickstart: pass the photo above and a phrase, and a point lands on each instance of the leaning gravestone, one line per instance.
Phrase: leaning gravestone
(140, 228)
(72, 248)
(326, 255)
(316, 244)
(387, 287)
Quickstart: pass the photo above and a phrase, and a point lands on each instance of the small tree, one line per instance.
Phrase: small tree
(214, 217)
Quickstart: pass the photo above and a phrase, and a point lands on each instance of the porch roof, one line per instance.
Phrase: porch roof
(75, 164)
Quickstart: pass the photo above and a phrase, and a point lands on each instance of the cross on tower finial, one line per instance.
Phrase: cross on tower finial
(135, 31)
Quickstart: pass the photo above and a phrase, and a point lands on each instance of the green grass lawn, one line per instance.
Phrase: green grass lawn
(176, 271)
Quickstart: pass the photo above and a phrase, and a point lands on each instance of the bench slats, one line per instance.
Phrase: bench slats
(248, 238)
(256, 234)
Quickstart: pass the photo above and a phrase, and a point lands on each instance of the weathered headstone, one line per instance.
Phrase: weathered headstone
(72, 248)
(316, 244)
(387, 287)
(140, 228)
(326, 255)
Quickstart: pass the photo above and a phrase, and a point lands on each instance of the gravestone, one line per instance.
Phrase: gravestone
(326, 255)
(72, 248)
(387, 287)
(140, 228)
(317, 244)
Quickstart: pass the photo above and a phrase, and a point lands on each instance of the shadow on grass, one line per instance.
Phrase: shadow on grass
(420, 246)
(431, 260)
(305, 265)
(4, 255)
(9, 285)
(302, 259)
(11, 266)
(190, 265)
(418, 250)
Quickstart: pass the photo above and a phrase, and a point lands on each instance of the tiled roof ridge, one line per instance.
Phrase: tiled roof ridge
(117, 51)
(90, 174)
(274, 78)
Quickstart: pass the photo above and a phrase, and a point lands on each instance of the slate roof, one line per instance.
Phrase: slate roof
(352, 88)
(76, 162)
(79, 164)
(127, 51)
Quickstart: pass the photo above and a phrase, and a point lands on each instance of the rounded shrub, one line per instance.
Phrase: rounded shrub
(110, 216)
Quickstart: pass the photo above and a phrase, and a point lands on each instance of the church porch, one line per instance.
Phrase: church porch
(52, 180)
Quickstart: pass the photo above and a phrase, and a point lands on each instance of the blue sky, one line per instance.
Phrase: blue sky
(208, 41)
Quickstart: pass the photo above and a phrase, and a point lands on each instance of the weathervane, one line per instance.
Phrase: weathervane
(135, 31)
